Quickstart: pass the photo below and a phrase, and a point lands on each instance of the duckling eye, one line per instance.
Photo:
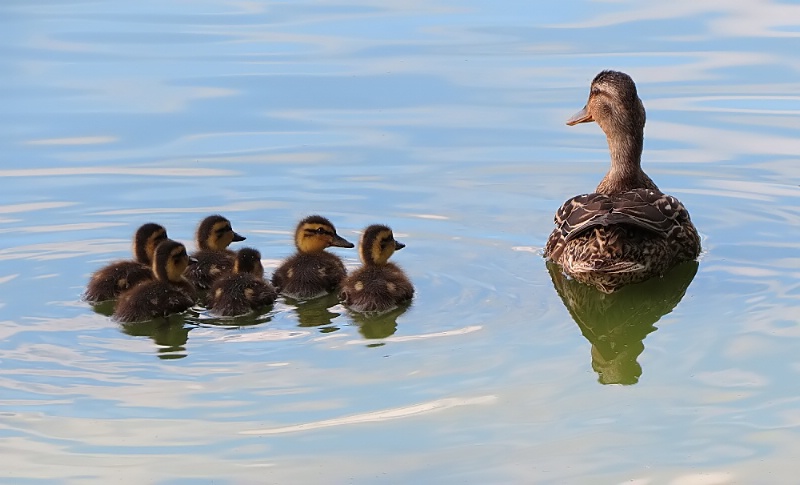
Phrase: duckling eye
(320, 230)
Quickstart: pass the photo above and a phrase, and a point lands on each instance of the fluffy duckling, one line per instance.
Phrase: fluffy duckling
(627, 230)
(378, 286)
(214, 259)
(244, 290)
(109, 282)
(169, 293)
(312, 271)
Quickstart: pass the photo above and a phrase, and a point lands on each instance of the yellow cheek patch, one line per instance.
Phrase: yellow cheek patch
(359, 285)
(248, 293)
(290, 273)
(218, 293)
(391, 287)
(122, 283)
(214, 270)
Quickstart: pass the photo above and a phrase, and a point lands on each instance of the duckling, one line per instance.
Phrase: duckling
(109, 282)
(169, 293)
(244, 290)
(214, 259)
(312, 272)
(627, 230)
(378, 286)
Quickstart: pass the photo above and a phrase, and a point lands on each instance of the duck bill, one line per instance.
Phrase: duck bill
(238, 237)
(398, 245)
(582, 116)
(341, 242)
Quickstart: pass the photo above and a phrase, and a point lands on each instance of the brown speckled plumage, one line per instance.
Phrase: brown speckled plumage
(378, 285)
(109, 282)
(627, 230)
(312, 272)
(244, 290)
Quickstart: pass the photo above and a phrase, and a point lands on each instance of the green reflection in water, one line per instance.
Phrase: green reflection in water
(379, 326)
(170, 334)
(316, 312)
(105, 308)
(617, 323)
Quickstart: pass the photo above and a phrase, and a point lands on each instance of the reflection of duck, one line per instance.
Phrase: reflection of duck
(108, 282)
(169, 293)
(381, 325)
(170, 334)
(617, 323)
(316, 312)
(312, 272)
(628, 230)
(244, 290)
(214, 259)
(378, 285)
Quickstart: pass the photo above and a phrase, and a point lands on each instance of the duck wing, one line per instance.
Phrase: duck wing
(647, 209)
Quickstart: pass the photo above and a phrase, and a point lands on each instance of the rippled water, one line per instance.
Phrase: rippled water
(444, 120)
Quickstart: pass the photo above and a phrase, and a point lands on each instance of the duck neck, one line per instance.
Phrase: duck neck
(626, 165)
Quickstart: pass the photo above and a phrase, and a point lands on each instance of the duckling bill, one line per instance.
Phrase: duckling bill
(627, 230)
(214, 259)
(244, 290)
(110, 281)
(378, 286)
(169, 293)
(312, 272)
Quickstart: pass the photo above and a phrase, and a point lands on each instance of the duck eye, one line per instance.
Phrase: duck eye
(320, 230)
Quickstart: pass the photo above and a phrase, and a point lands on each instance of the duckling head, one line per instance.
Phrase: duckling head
(248, 260)
(215, 233)
(170, 261)
(377, 245)
(315, 233)
(145, 241)
(614, 104)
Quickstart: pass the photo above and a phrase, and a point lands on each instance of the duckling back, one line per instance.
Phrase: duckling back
(167, 294)
(244, 290)
(109, 282)
(376, 289)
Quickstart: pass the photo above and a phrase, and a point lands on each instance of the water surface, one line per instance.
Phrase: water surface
(444, 120)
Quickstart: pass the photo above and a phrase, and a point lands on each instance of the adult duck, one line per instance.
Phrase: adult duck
(627, 230)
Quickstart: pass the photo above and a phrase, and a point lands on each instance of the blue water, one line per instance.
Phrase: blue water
(444, 120)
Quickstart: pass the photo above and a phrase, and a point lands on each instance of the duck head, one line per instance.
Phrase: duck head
(215, 233)
(377, 245)
(170, 261)
(315, 233)
(145, 241)
(248, 260)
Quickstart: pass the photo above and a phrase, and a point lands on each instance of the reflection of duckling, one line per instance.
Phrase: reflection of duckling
(378, 285)
(244, 290)
(627, 230)
(380, 325)
(214, 259)
(312, 272)
(108, 282)
(169, 293)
